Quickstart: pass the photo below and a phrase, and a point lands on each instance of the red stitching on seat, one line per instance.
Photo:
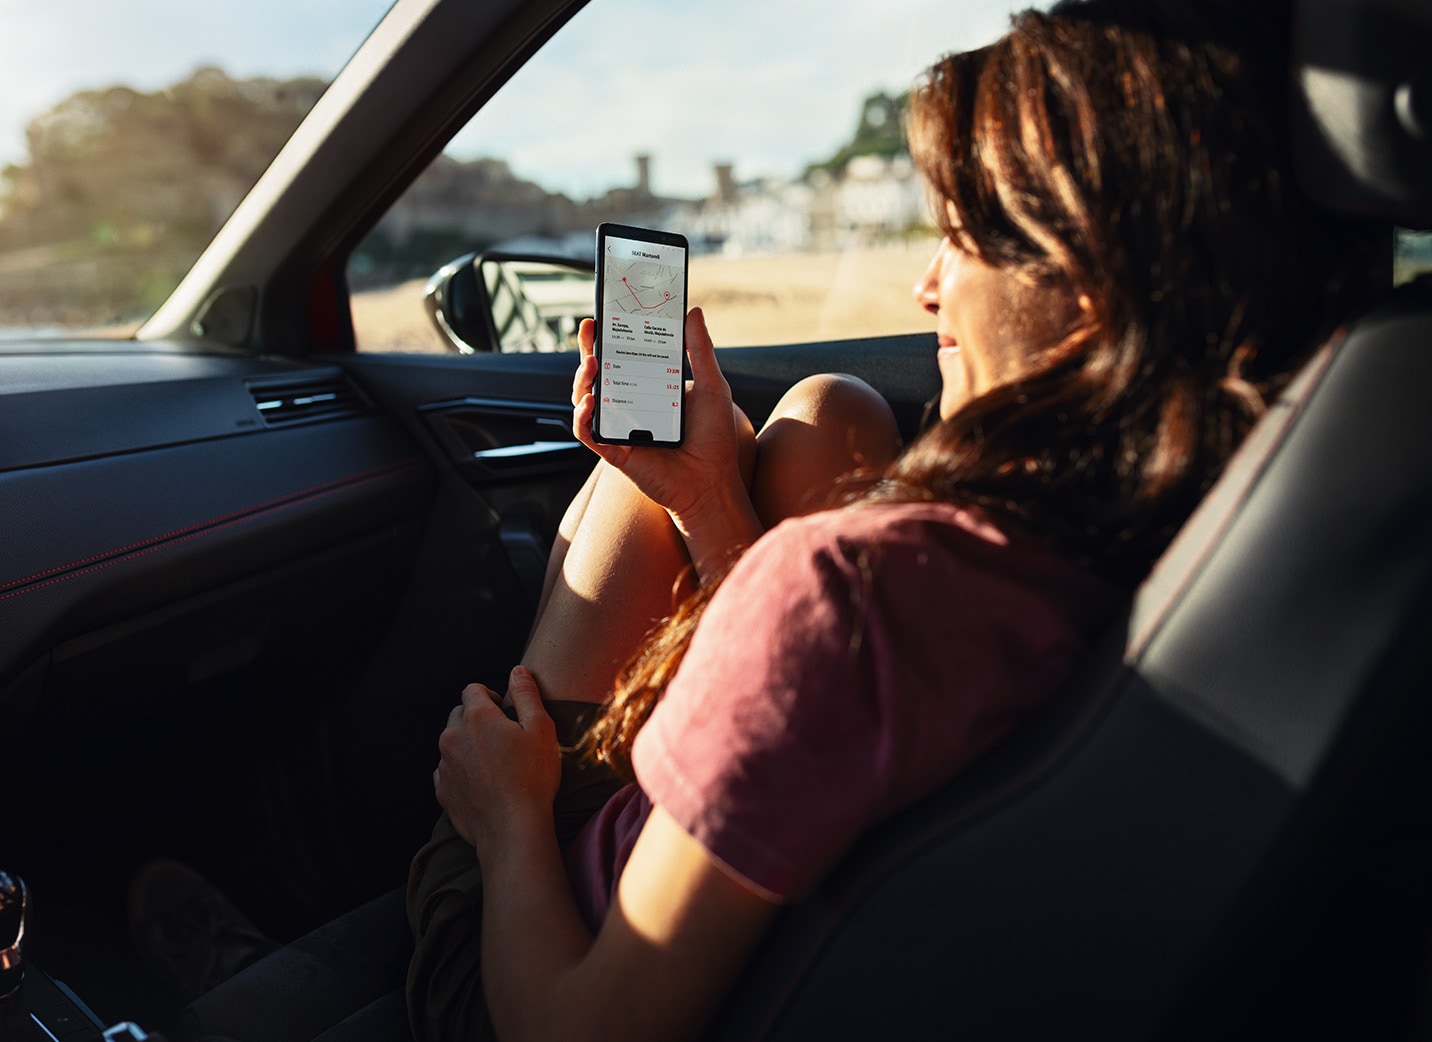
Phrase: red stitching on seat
(192, 531)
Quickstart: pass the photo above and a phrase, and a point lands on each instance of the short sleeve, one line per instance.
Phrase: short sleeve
(846, 667)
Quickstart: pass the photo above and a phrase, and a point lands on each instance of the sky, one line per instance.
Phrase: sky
(572, 101)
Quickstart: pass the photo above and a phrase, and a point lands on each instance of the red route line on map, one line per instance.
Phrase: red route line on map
(644, 307)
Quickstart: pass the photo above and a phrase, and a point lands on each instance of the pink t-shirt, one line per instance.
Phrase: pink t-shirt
(852, 662)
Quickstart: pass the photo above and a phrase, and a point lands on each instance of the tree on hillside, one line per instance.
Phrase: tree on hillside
(167, 166)
(124, 189)
(880, 131)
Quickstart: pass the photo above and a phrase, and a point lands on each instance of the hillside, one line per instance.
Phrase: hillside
(124, 189)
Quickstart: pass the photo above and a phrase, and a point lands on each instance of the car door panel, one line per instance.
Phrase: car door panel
(105, 537)
(237, 642)
(186, 587)
(902, 368)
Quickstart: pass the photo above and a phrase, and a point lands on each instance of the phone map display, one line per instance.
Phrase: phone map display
(639, 380)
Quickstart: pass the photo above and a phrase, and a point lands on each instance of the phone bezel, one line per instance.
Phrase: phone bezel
(659, 238)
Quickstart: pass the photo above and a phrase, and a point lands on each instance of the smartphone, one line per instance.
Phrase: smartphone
(640, 387)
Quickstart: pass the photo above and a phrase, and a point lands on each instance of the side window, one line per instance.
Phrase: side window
(128, 135)
(777, 150)
(1412, 256)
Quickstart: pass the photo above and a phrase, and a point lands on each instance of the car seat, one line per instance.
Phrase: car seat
(1224, 828)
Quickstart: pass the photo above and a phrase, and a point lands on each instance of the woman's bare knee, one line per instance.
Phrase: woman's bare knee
(826, 432)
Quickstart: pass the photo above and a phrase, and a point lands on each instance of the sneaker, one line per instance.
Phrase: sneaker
(188, 932)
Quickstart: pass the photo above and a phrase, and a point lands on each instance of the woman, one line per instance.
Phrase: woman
(1119, 292)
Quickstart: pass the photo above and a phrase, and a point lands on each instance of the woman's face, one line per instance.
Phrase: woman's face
(991, 323)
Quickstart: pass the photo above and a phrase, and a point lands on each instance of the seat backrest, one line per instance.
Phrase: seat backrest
(1223, 827)
(1077, 879)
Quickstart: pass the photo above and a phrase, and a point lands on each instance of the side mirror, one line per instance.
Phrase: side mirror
(510, 302)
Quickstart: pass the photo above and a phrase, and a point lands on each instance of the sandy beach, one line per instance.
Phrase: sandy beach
(768, 299)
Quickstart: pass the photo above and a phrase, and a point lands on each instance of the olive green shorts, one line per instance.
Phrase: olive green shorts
(444, 988)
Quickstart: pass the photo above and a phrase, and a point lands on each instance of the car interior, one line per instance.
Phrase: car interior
(245, 569)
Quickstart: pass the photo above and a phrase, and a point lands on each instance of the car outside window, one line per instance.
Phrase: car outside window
(769, 134)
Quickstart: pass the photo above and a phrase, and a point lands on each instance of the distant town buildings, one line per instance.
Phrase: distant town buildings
(865, 194)
(870, 200)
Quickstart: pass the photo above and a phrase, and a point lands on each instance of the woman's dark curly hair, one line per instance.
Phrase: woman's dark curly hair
(1134, 152)
(1138, 156)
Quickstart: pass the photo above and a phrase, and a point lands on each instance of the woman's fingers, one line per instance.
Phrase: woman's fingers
(527, 700)
(475, 695)
(705, 370)
(583, 412)
(582, 379)
(672, 478)
(699, 347)
(587, 365)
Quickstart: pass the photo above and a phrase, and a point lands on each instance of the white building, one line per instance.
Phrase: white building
(878, 199)
(873, 200)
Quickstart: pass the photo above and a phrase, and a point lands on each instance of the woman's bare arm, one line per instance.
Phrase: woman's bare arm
(677, 935)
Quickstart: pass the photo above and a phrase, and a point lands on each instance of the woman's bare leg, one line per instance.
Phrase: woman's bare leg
(620, 565)
(566, 531)
(824, 435)
(617, 577)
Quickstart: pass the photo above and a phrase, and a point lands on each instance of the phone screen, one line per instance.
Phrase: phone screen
(641, 343)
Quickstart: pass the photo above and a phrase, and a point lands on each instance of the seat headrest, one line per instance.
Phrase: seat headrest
(1362, 107)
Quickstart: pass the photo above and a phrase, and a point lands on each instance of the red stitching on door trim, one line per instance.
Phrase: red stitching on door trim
(193, 531)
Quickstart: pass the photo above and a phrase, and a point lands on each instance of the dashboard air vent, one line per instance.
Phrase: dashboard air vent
(326, 396)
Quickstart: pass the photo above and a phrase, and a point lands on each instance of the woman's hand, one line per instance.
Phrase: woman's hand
(497, 775)
(699, 484)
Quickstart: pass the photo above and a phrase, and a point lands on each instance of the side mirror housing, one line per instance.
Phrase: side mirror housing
(510, 302)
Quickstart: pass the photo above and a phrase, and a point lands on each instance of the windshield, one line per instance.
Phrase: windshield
(130, 132)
